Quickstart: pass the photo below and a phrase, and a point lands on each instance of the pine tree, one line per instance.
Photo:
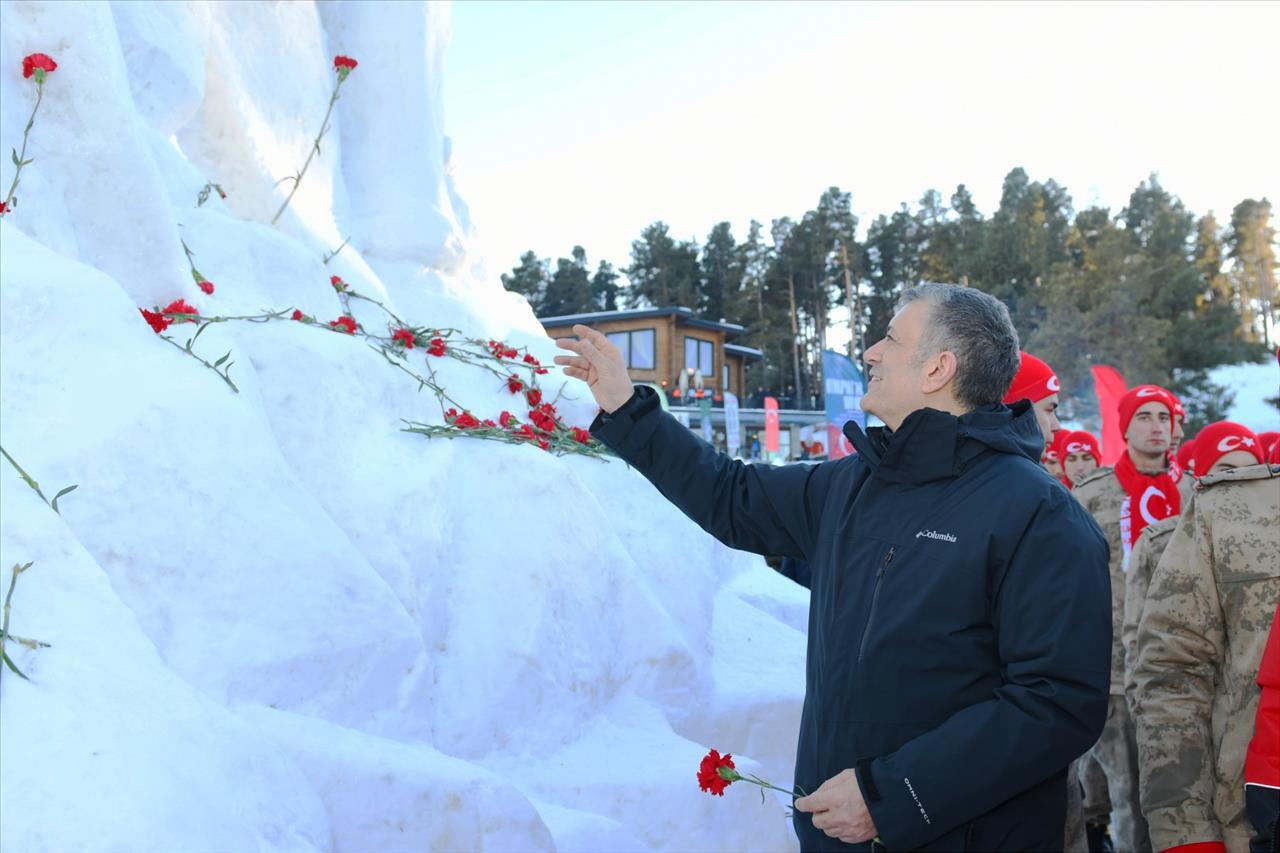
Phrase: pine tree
(721, 273)
(664, 271)
(529, 279)
(604, 287)
(1252, 242)
(569, 291)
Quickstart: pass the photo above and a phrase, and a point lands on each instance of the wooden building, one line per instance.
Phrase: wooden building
(660, 343)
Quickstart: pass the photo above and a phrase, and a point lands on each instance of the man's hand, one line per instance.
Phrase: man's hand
(598, 363)
(839, 810)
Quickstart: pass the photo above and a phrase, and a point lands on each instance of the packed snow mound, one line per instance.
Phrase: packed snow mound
(276, 620)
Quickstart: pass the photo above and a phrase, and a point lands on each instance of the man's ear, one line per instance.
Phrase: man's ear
(940, 369)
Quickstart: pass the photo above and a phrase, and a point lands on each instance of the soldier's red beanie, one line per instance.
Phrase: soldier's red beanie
(1268, 440)
(1136, 398)
(1274, 456)
(1186, 455)
(1034, 381)
(1079, 441)
(1220, 438)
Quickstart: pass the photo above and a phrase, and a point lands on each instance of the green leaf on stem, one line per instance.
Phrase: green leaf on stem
(68, 490)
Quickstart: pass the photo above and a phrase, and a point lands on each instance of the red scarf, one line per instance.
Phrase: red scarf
(1155, 496)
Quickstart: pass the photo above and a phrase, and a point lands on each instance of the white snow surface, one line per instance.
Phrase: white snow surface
(275, 620)
(1254, 384)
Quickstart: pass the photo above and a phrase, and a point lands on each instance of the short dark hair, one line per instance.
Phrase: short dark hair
(976, 327)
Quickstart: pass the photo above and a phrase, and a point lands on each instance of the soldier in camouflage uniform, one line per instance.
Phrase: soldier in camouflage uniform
(1142, 564)
(1146, 415)
(1208, 612)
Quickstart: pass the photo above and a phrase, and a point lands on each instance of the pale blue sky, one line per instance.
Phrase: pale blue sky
(582, 122)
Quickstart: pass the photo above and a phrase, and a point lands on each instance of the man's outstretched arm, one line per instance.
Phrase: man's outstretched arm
(751, 507)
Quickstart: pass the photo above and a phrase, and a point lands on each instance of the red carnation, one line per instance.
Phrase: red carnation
(221, 194)
(544, 417)
(450, 413)
(526, 431)
(337, 282)
(533, 396)
(506, 418)
(158, 322)
(488, 423)
(206, 286)
(582, 436)
(4, 208)
(39, 64)
(709, 778)
(346, 62)
(466, 421)
(403, 336)
(514, 385)
(437, 347)
(344, 323)
(297, 315)
(180, 306)
(542, 443)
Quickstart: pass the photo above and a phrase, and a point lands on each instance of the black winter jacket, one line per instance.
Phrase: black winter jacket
(959, 645)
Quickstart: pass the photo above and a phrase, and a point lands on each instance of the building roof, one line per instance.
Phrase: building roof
(747, 353)
(684, 316)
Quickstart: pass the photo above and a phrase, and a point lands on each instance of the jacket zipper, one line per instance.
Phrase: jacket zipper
(875, 596)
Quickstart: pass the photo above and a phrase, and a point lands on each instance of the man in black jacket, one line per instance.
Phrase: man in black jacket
(960, 616)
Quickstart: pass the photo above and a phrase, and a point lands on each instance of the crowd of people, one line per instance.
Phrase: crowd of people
(1193, 524)
(1000, 656)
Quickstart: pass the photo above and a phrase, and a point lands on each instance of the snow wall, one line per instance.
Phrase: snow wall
(275, 620)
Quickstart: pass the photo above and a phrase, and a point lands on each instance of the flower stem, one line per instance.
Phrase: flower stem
(21, 160)
(315, 149)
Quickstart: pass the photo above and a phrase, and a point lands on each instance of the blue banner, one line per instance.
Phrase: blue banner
(842, 389)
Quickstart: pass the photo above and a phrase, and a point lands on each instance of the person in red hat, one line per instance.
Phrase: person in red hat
(1186, 456)
(1080, 456)
(1224, 445)
(1035, 381)
(1262, 761)
(1140, 490)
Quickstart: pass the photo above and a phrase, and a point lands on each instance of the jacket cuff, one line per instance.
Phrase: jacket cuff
(1183, 828)
(617, 429)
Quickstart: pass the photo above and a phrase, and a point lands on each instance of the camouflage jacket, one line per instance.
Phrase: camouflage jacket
(1142, 564)
(1101, 495)
(1208, 611)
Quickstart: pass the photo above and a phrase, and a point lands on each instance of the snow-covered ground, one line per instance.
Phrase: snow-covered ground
(275, 620)
(1254, 385)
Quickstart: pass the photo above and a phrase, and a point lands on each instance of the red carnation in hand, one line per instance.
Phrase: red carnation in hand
(206, 286)
(344, 323)
(709, 778)
(158, 322)
(38, 64)
(180, 307)
(297, 315)
(337, 282)
(340, 62)
(403, 336)
(437, 347)
(581, 436)
(533, 396)
(514, 385)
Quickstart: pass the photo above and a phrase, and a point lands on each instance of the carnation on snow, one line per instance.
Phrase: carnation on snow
(38, 62)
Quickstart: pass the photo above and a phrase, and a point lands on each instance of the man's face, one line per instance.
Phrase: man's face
(1234, 459)
(1078, 465)
(894, 380)
(1177, 433)
(1047, 416)
(1150, 429)
(1052, 466)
